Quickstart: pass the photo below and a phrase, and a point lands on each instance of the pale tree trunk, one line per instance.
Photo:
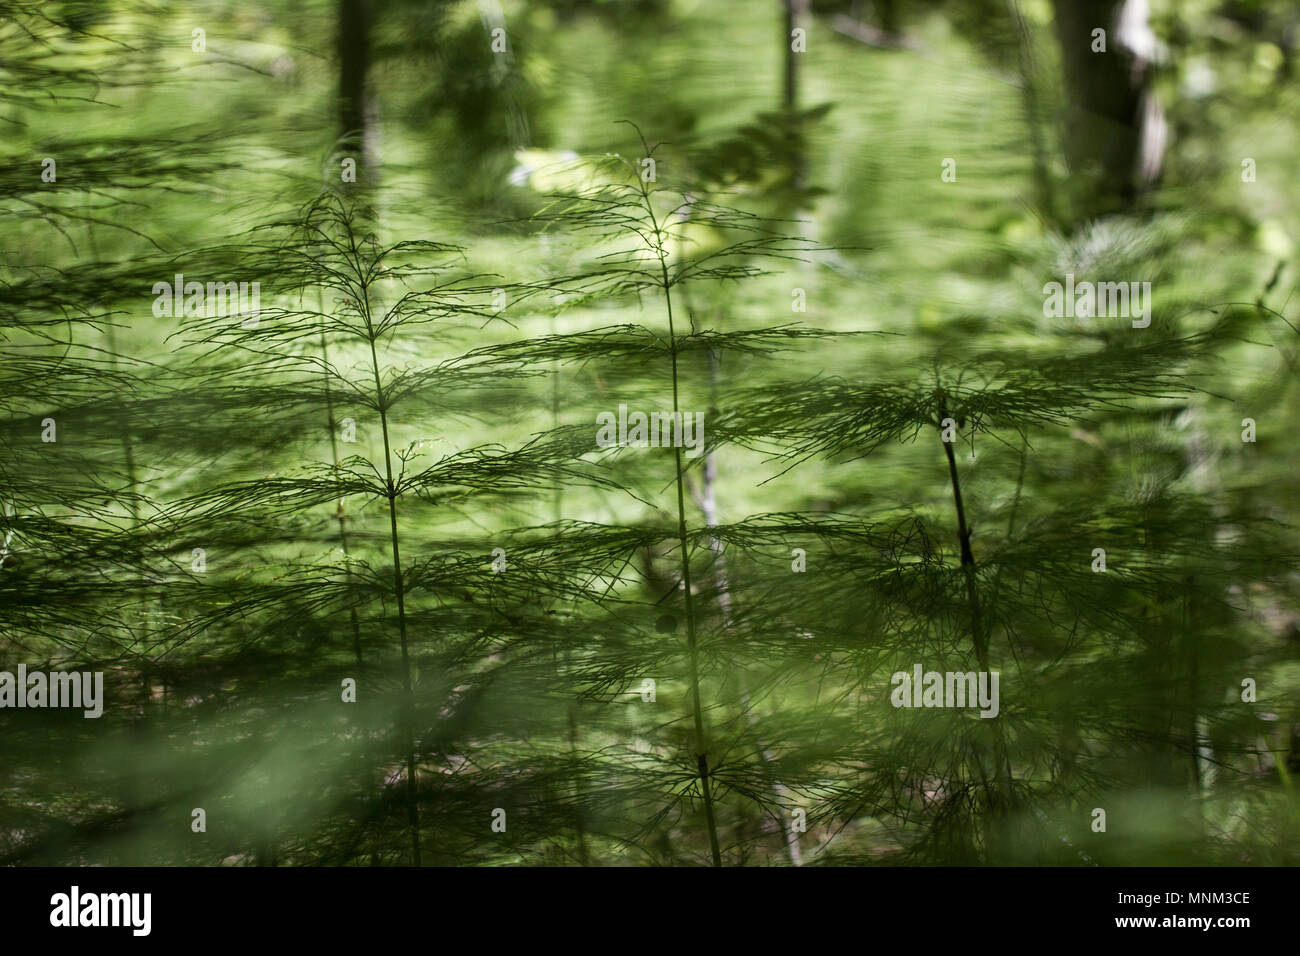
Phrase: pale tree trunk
(708, 504)
(705, 497)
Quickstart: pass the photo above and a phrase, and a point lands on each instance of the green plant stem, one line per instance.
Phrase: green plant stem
(407, 720)
(979, 636)
(571, 706)
(343, 532)
(343, 535)
(701, 757)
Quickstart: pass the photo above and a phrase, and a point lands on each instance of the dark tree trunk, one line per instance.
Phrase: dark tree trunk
(355, 102)
(795, 14)
(1111, 116)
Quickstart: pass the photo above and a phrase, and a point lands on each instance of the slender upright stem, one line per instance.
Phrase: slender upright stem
(343, 531)
(967, 562)
(128, 457)
(343, 536)
(701, 758)
(978, 633)
(407, 717)
(571, 707)
(135, 777)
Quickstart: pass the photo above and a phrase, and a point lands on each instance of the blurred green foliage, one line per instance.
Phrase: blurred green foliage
(524, 689)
